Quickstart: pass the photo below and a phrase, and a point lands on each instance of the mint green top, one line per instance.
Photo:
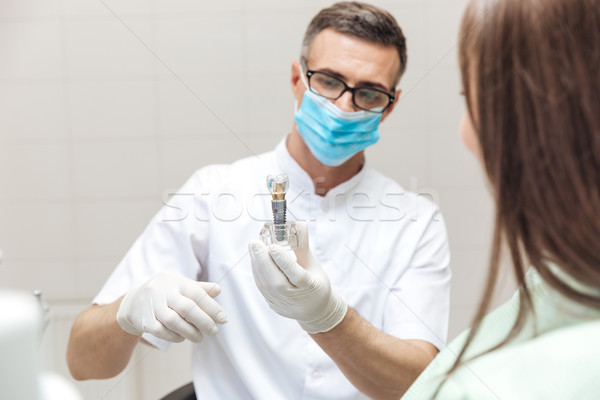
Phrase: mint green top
(556, 356)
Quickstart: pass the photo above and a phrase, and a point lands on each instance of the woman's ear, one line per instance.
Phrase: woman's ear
(469, 136)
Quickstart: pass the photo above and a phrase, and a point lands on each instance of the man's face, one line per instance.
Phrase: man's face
(354, 61)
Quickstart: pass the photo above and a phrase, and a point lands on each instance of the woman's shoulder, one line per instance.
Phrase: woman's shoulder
(561, 364)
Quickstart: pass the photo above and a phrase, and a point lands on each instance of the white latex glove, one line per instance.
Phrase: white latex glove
(298, 290)
(172, 308)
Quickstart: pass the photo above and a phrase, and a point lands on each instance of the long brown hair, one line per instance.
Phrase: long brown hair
(531, 74)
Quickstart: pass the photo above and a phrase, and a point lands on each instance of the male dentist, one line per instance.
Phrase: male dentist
(364, 309)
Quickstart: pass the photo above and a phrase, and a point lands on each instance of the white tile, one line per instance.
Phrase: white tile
(34, 172)
(173, 368)
(107, 8)
(390, 5)
(32, 111)
(452, 164)
(469, 273)
(403, 156)
(448, 60)
(457, 4)
(269, 104)
(54, 341)
(442, 76)
(205, 107)
(469, 215)
(276, 6)
(180, 157)
(36, 232)
(444, 18)
(109, 49)
(461, 318)
(106, 230)
(412, 20)
(30, 50)
(272, 41)
(93, 272)
(207, 47)
(115, 169)
(112, 109)
(410, 112)
(445, 105)
(55, 279)
(194, 7)
(29, 9)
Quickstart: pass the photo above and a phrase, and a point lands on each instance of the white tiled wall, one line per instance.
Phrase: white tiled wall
(106, 104)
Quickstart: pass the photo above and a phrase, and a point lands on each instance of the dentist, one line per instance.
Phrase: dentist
(372, 304)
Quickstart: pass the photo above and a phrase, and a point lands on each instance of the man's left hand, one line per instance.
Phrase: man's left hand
(295, 285)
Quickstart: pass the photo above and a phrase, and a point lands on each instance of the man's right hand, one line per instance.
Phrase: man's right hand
(172, 308)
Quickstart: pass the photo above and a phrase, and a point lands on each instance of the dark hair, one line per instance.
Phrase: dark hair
(530, 71)
(362, 21)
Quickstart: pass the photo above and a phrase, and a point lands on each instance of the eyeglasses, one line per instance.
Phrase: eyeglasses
(365, 98)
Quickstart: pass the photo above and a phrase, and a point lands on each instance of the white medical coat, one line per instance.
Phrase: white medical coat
(384, 249)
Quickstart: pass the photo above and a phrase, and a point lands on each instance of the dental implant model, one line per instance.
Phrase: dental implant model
(280, 231)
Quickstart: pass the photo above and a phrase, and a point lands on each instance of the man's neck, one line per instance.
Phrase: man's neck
(323, 176)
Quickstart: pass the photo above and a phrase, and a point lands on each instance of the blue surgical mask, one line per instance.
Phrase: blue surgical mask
(334, 135)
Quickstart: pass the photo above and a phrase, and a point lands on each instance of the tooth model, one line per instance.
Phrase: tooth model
(280, 231)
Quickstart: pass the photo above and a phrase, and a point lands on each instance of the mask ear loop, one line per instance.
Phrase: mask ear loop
(303, 77)
(304, 81)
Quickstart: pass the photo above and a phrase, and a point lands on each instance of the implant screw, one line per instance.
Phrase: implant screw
(278, 186)
(279, 209)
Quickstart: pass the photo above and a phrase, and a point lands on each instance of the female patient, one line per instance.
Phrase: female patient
(531, 77)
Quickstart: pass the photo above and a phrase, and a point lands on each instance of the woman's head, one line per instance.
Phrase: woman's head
(531, 75)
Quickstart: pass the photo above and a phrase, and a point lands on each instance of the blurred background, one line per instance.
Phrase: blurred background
(107, 105)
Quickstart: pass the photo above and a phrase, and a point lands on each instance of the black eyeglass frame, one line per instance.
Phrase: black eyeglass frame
(310, 73)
